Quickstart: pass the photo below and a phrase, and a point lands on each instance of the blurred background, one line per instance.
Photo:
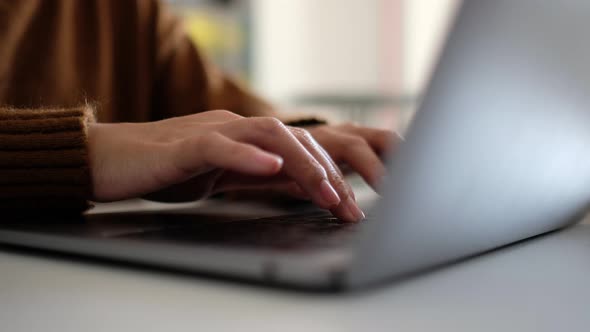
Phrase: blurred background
(347, 60)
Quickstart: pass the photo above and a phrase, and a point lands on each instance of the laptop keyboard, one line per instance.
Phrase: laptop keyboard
(295, 232)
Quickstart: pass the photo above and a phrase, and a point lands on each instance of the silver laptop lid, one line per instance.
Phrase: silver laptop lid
(500, 148)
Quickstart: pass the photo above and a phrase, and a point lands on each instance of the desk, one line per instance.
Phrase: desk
(538, 285)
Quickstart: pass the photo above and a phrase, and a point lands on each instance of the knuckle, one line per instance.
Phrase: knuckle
(314, 171)
(269, 124)
(201, 143)
(183, 148)
(356, 141)
(297, 131)
(306, 135)
(346, 192)
(226, 114)
(339, 183)
(302, 134)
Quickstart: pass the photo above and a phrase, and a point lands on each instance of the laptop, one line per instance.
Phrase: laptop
(498, 152)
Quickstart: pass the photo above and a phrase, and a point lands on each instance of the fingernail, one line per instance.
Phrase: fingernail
(328, 193)
(354, 210)
(279, 163)
(269, 162)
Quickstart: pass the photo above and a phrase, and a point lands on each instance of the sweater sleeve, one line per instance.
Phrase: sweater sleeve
(43, 160)
(187, 82)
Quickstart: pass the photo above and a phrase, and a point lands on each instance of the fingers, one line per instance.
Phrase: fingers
(358, 154)
(264, 147)
(300, 165)
(218, 151)
(360, 149)
(347, 209)
(379, 140)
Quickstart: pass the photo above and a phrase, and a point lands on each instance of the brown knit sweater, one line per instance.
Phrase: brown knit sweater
(43, 160)
(130, 58)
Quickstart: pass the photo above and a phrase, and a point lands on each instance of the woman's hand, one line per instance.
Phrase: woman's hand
(357, 148)
(213, 152)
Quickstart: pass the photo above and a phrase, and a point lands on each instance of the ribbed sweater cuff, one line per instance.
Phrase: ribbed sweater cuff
(43, 159)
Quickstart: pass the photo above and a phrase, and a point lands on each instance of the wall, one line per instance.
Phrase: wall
(324, 46)
(315, 46)
(426, 23)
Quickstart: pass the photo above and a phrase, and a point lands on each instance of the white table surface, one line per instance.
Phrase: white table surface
(537, 285)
